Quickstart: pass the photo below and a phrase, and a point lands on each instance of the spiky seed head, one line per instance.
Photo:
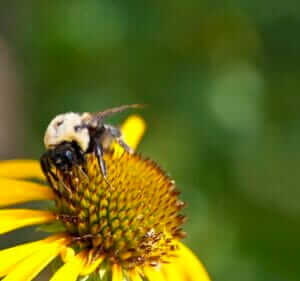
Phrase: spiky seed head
(134, 220)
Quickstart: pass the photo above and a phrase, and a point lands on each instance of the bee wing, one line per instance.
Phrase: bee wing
(108, 112)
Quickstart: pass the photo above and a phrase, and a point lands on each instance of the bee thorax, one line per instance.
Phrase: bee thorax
(67, 128)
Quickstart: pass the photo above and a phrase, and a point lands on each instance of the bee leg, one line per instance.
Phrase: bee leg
(84, 237)
(122, 143)
(116, 134)
(68, 218)
(99, 155)
(83, 162)
(46, 168)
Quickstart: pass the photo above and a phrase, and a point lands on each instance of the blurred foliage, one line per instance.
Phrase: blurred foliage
(220, 80)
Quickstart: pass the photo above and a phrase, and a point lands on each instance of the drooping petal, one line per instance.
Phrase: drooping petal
(70, 270)
(12, 219)
(188, 266)
(30, 259)
(117, 274)
(17, 191)
(154, 274)
(21, 169)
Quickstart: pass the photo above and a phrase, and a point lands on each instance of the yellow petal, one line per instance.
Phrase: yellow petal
(67, 254)
(16, 191)
(12, 219)
(21, 169)
(154, 274)
(117, 274)
(11, 256)
(134, 275)
(92, 263)
(172, 272)
(70, 270)
(132, 130)
(189, 265)
(26, 268)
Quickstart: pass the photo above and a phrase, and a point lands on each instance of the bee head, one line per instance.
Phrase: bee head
(67, 128)
(63, 156)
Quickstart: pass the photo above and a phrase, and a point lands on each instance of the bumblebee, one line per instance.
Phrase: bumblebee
(70, 136)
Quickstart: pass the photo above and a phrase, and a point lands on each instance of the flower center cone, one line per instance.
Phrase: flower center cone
(132, 217)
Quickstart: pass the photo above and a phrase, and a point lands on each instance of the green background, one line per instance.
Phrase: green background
(221, 81)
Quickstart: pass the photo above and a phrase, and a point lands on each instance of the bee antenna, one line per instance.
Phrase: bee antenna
(114, 110)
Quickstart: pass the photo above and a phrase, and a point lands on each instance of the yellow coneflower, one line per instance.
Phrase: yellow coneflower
(129, 229)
